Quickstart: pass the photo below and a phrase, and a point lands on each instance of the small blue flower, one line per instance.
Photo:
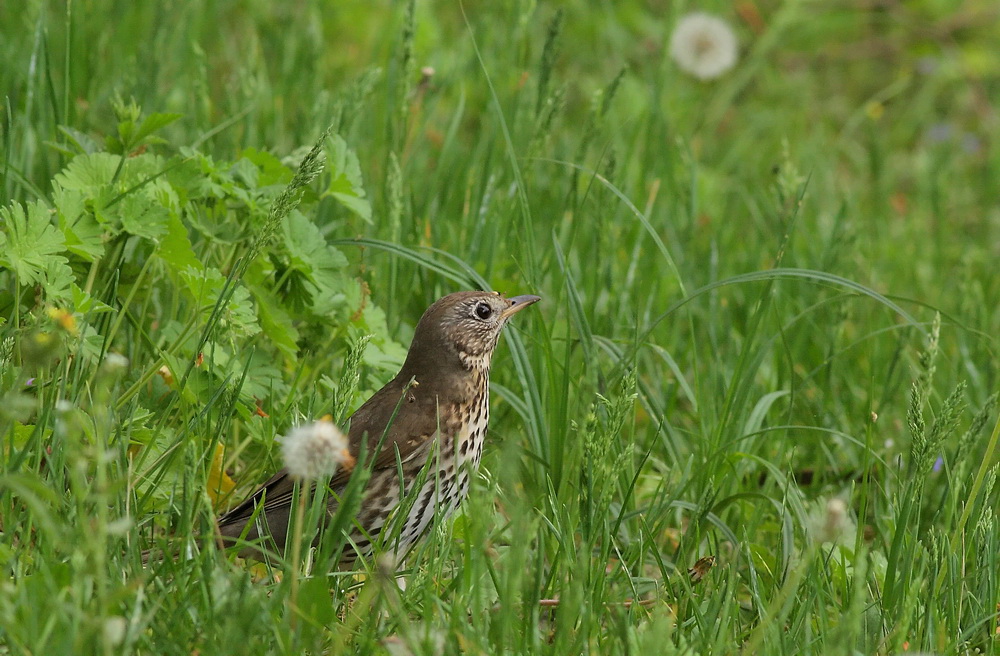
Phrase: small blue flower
(940, 133)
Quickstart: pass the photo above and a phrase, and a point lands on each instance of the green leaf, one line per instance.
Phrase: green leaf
(278, 326)
(131, 133)
(139, 202)
(206, 285)
(320, 264)
(84, 303)
(141, 213)
(271, 171)
(245, 172)
(164, 475)
(382, 352)
(308, 248)
(346, 184)
(263, 377)
(90, 344)
(79, 142)
(314, 603)
(58, 279)
(275, 320)
(88, 173)
(29, 243)
(175, 247)
(84, 236)
(21, 433)
(90, 177)
(200, 177)
(152, 123)
(36, 494)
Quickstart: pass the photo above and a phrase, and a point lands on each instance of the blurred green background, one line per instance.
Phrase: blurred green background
(739, 278)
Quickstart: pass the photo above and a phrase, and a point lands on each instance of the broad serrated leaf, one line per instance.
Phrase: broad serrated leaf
(90, 176)
(263, 380)
(29, 243)
(272, 172)
(308, 248)
(84, 303)
(19, 434)
(200, 177)
(132, 133)
(90, 345)
(277, 323)
(163, 476)
(80, 140)
(138, 202)
(141, 213)
(152, 123)
(346, 184)
(245, 172)
(70, 204)
(175, 247)
(58, 279)
(206, 285)
(88, 172)
(382, 352)
(321, 265)
(84, 237)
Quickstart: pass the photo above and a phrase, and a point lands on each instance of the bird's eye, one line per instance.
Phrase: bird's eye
(484, 311)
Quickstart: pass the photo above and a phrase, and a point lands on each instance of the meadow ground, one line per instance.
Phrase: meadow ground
(754, 413)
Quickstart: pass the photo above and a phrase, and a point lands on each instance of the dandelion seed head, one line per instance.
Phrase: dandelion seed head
(703, 45)
(833, 524)
(315, 451)
(115, 629)
(115, 362)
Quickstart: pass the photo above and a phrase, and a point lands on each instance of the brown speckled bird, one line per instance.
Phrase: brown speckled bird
(442, 416)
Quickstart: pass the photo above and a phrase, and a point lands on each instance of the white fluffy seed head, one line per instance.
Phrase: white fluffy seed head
(833, 523)
(115, 361)
(703, 45)
(315, 451)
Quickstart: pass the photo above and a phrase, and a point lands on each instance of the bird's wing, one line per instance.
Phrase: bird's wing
(416, 421)
(399, 418)
(277, 490)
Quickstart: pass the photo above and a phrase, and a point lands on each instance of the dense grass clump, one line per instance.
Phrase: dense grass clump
(754, 413)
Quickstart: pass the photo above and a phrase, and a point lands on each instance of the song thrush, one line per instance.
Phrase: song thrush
(440, 399)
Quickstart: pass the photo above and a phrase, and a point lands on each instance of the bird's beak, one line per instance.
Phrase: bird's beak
(518, 303)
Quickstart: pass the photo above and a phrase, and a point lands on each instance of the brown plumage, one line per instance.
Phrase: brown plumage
(442, 415)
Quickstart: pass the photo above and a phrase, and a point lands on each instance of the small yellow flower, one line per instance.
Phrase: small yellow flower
(64, 319)
(874, 110)
(166, 375)
(219, 483)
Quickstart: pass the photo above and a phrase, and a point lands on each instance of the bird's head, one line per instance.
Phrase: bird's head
(463, 328)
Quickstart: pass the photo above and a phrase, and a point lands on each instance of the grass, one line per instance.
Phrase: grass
(763, 295)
